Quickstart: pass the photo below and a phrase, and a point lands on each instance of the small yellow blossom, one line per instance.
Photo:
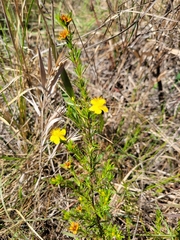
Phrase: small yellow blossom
(102, 193)
(79, 208)
(63, 34)
(67, 165)
(80, 199)
(57, 135)
(98, 105)
(56, 180)
(65, 18)
(74, 227)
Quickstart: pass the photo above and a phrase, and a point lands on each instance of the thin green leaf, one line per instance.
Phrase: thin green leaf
(27, 19)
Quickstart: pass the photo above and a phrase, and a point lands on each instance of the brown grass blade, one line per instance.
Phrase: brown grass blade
(42, 70)
(49, 61)
(53, 82)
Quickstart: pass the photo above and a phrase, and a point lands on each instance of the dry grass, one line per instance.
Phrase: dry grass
(132, 58)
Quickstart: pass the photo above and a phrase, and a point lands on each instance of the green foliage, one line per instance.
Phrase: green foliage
(177, 231)
(67, 83)
(86, 169)
(161, 228)
(56, 180)
(91, 181)
(177, 78)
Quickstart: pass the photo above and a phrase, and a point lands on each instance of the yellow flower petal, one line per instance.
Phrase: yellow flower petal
(65, 18)
(92, 108)
(96, 110)
(55, 139)
(63, 132)
(57, 135)
(63, 34)
(67, 165)
(74, 227)
(98, 105)
(104, 109)
(99, 101)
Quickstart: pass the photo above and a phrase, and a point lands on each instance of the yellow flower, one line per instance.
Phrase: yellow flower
(56, 180)
(79, 208)
(67, 165)
(63, 34)
(98, 105)
(80, 199)
(66, 19)
(74, 227)
(57, 135)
